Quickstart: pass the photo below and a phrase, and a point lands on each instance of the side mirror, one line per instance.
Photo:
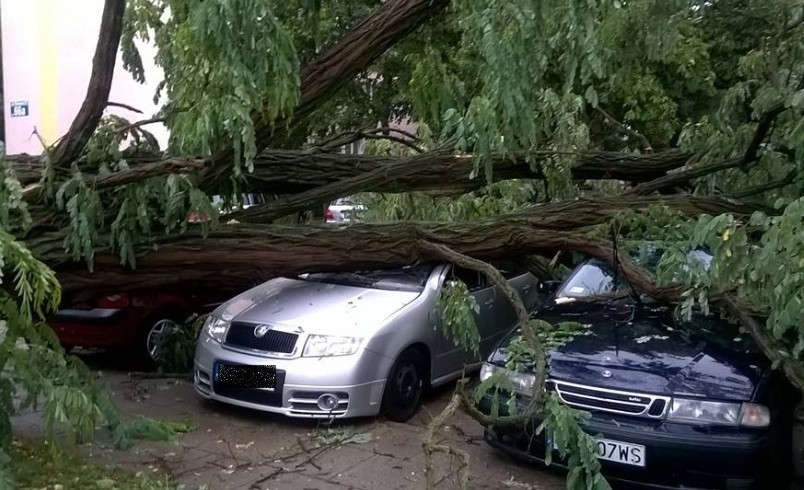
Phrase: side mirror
(549, 287)
(647, 300)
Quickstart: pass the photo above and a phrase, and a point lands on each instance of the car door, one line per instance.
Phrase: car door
(450, 358)
(501, 315)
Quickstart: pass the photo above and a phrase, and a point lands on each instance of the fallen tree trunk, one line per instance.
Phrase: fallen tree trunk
(283, 172)
(278, 172)
(248, 253)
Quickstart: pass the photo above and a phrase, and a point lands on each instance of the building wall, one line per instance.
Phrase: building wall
(48, 47)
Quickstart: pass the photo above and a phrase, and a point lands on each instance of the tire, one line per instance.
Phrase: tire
(403, 388)
(155, 325)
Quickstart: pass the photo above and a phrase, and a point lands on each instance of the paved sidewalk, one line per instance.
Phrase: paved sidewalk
(234, 448)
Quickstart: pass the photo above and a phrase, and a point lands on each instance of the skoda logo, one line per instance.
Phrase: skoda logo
(606, 373)
(261, 330)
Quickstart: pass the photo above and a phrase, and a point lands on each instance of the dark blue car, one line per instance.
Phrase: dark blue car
(675, 403)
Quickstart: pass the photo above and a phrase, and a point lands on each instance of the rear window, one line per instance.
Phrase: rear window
(411, 279)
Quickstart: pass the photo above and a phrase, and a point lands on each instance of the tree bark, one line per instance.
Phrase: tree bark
(285, 172)
(100, 83)
(242, 254)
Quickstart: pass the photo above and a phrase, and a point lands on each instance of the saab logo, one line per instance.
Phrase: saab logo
(634, 399)
(261, 330)
(606, 373)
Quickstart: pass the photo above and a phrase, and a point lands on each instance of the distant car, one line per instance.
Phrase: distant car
(345, 344)
(131, 322)
(342, 210)
(673, 402)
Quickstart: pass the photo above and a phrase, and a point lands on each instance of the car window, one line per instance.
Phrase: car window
(412, 278)
(589, 279)
(473, 279)
(509, 270)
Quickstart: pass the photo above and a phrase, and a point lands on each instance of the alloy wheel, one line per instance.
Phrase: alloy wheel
(159, 328)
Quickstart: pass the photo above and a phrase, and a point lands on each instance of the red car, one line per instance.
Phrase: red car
(130, 322)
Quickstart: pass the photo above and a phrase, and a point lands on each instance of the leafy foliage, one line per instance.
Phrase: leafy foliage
(35, 466)
(341, 436)
(564, 428)
(458, 308)
(177, 346)
(220, 45)
(33, 367)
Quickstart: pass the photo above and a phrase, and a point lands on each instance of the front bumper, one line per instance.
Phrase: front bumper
(357, 380)
(676, 455)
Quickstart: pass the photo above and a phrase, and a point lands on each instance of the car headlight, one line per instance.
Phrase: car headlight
(330, 345)
(523, 382)
(718, 413)
(216, 328)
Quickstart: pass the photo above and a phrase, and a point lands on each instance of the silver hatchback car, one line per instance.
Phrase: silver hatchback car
(346, 344)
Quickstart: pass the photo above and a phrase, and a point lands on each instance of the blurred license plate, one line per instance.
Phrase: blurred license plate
(245, 376)
(618, 452)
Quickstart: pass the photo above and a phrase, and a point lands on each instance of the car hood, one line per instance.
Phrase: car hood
(316, 307)
(641, 349)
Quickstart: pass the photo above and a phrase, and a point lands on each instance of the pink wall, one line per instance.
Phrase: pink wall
(47, 60)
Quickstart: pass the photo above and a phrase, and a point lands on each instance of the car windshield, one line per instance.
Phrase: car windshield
(411, 279)
(595, 278)
(590, 279)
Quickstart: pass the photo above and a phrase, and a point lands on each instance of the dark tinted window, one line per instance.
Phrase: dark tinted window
(411, 278)
(473, 279)
(509, 269)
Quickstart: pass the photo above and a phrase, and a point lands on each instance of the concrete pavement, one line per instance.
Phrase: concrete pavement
(233, 448)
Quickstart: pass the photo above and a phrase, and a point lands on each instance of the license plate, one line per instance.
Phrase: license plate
(245, 376)
(617, 452)
(621, 452)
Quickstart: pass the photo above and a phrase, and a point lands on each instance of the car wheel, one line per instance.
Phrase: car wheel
(157, 326)
(404, 386)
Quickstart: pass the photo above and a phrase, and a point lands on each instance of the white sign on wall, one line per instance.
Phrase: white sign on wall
(19, 108)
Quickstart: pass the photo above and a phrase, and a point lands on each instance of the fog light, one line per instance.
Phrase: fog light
(328, 402)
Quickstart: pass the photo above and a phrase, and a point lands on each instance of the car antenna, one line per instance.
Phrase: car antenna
(616, 258)
(616, 253)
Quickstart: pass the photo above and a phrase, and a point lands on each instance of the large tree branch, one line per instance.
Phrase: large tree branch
(100, 83)
(765, 340)
(247, 253)
(334, 68)
(136, 173)
(309, 199)
(683, 177)
(789, 179)
(278, 172)
(283, 172)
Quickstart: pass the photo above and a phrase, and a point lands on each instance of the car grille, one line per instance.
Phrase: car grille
(606, 400)
(242, 335)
